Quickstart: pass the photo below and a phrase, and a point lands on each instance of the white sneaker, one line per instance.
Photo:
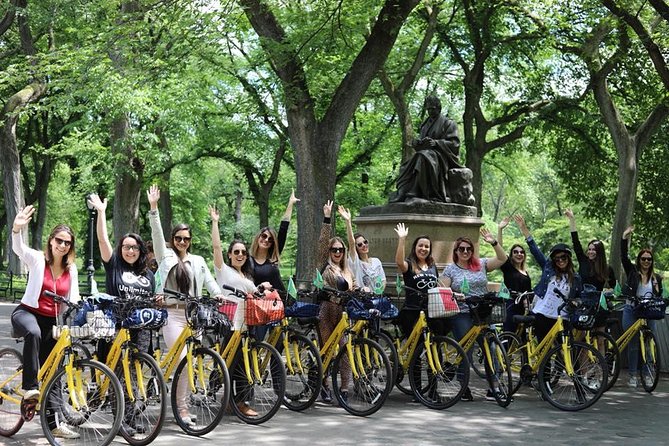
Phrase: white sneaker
(65, 431)
(633, 382)
(31, 395)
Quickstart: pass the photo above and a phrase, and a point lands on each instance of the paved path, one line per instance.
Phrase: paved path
(622, 416)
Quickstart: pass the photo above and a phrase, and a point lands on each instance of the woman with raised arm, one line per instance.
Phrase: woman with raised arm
(368, 271)
(419, 273)
(516, 277)
(52, 270)
(266, 249)
(337, 275)
(642, 281)
(557, 273)
(180, 270)
(468, 266)
(126, 276)
(237, 273)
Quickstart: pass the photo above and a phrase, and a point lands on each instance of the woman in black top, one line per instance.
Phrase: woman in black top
(516, 277)
(266, 249)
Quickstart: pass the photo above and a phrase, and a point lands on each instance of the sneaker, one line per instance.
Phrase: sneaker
(186, 417)
(648, 380)
(65, 431)
(32, 394)
(246, 410)
(633, 381)
(344, 396)
(129, 431)
(467, 395)
(490, 395)
(139, 427)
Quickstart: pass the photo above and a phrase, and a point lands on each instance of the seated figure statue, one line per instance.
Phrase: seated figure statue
(425, 176)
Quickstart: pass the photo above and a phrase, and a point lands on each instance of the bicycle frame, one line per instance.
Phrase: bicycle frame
(119, 351)
(536, 354)
(405, 352)
(273, 340)
(171, 359)
(331, 346)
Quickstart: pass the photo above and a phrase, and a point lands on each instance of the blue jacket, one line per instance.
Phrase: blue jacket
(547, 271)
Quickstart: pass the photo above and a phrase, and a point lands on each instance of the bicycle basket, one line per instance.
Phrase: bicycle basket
(359, 309)
(441, 303)
(386, 307)
(264, 310)
(302, 309)
(652, 309)
(583, 317)
(145, 318)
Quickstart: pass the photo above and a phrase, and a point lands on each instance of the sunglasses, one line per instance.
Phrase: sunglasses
(518, 251)
(561, 258)
(239, 252)
(265, 236)
(60, 241)
(363, 243)
(182, 239)
(465, 249)
(646, 259)
(337, 250)
(131, 248)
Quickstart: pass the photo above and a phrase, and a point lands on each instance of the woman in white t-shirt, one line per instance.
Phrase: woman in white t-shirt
(368, 271)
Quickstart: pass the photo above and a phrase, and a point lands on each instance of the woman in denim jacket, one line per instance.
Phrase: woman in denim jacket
(641, 281)
(557, 273)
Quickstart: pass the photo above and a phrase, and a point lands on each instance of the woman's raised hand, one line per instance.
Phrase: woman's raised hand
(327, 209)
(293, 199)
(345, 213)
(23, 217)
(504, 223)
(401, 230)
(627, 232)
(153, 194)
(213, 213)
(98, 205)
(487, 235)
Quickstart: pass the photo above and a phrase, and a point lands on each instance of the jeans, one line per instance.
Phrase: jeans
(633, 347)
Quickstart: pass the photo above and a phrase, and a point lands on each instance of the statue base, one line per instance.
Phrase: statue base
(442, 222)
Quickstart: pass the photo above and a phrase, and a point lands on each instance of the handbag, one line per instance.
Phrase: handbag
(441, 303)
(652, 309)
(264, 310)
(386, 307)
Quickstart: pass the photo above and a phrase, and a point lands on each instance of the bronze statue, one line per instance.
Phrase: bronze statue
(425, 176)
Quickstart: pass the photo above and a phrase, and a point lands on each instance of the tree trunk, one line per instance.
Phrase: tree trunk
(165, 206)
(129, 173)
(42, 189)
(10, 161)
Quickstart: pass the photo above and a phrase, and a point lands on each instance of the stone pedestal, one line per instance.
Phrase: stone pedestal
(442, 222)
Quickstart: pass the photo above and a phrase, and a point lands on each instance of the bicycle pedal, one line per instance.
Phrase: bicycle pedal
(28, 409)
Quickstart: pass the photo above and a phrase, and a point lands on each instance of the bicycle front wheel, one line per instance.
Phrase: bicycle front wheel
(362, 387)
(607, 346)
(580, 389)
(258, 390)
(304, 372)
(145, 407)
(441, 384)
(89, 403)
(515, 351)
(650, 360)
(199, 409)
(11, 377)
(497, 368)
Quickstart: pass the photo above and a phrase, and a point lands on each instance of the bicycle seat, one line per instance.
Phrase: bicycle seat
(521, 319)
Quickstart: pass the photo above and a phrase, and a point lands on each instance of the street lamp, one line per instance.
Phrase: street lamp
(90, 267)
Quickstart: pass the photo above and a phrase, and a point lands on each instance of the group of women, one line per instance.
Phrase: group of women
(128, 275)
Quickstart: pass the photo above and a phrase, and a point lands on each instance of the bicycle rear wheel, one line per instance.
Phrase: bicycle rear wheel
(265, 391)
(364, 392)
(92, 407)
(650, 360)
(517, 355)
(607, 346)
(581, 389)
(304, 377)
(207, 400)
(145, 411)
(443, 386)
(11, 377)
(497, 369)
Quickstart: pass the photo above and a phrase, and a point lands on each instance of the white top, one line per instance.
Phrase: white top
(550, 303)
(227, 275)
(367, 273)
(36, 263)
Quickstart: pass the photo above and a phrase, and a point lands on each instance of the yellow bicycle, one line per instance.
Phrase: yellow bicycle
(81, 392)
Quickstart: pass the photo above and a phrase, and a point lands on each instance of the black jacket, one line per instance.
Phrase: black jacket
(633, 275)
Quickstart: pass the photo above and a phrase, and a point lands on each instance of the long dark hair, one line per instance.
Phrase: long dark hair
(413, 259)
(247, 268)
(569, 269)
(599, 266)
(140, 266)
(180, 270)
(651, 270)
(522, 264)
(69, 258)
(273, 254)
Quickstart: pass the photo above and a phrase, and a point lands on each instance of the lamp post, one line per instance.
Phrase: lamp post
(90, 267)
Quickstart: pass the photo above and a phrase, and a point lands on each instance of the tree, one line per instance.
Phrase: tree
(316, 140)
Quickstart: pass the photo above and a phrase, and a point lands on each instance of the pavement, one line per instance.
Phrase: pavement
(623, 416)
